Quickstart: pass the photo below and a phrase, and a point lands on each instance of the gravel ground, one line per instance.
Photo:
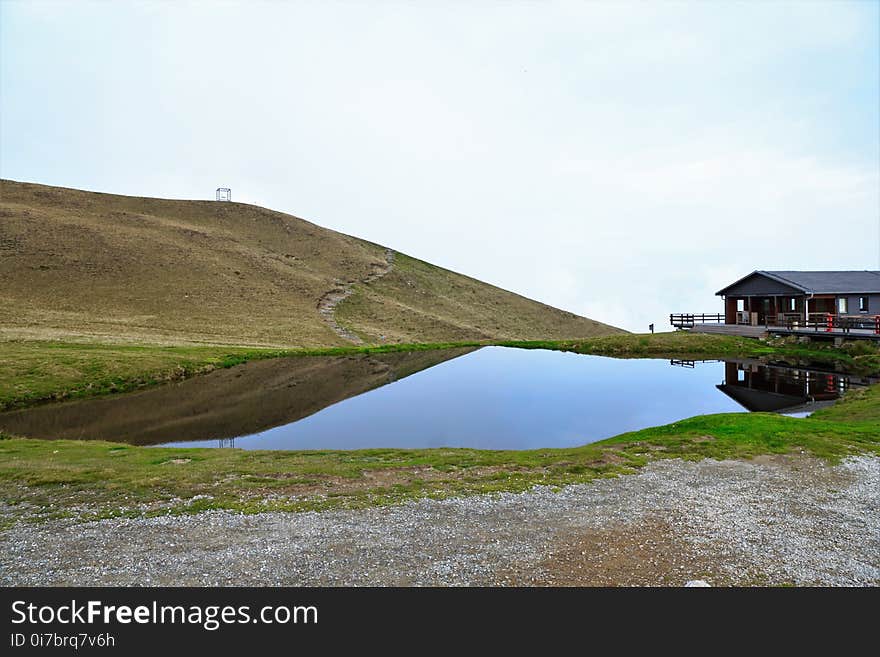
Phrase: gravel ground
(775, 520)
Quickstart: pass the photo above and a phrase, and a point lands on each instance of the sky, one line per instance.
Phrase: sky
(619, 160)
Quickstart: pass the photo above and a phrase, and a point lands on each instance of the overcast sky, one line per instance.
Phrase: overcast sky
(622, 161)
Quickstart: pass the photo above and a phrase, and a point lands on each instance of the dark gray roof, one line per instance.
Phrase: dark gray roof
(824, 282)
(829, 282)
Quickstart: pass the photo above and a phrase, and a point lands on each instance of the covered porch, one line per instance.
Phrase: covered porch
(779, 310)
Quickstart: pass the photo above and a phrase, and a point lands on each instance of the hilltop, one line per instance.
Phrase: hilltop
(77, 264)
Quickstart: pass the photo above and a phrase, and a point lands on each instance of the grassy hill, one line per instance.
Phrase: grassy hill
(101, 266)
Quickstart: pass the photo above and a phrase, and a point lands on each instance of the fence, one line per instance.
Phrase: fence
(829, 323)
(681, 320)
(690, 364)
(826, 322)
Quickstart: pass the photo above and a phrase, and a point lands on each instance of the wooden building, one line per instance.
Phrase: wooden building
(786, 298)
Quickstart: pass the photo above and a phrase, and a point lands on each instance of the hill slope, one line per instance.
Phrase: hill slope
(75, 263)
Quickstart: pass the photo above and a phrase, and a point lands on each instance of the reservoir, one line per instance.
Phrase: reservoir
(486, 398)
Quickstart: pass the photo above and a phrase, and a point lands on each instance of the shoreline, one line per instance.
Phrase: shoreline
(34, 372)
(89, 480)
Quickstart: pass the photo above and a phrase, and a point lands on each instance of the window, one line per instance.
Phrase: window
(842, 306)
(740, 305)
(792, 304)
(863, 304)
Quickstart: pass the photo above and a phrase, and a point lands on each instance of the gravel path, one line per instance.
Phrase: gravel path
(776, 520)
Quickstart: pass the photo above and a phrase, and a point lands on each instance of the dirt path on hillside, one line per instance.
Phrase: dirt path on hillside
(344, 289)
(774, 520)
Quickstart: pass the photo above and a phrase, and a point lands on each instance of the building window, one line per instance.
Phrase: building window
(740, 305)
(863, 304)
(842, 306)
(792, 304)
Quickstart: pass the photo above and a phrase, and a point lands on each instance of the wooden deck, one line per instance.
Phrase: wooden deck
(730, 329)
(747, 331)
(851, 334)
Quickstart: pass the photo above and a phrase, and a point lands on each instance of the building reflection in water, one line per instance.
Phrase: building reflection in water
(778, 389)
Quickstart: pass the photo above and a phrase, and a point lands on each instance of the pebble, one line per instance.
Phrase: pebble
(793, 520)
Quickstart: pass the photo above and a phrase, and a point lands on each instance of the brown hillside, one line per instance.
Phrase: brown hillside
(75, 263)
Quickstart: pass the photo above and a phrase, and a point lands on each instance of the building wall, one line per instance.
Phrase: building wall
(756, 284)
(778, 305)
(784, 304)
(730, 311)
(853, 301)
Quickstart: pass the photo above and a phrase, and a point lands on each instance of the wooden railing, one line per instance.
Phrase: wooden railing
(816, 321)
(784, 319)
(829, 323)
(690, 364)
(681, 320)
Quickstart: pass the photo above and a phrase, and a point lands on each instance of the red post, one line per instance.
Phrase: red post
(877, 324)
(830, 322)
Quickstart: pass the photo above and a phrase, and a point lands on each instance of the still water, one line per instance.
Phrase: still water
(502, 398)
(489, 398)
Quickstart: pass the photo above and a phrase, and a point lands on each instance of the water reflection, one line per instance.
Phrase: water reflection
(490, 398)
(781, 389)
(213, 410)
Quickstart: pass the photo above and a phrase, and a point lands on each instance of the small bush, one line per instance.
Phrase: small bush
(860, 348)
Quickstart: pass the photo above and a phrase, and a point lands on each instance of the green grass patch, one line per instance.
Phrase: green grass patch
(48, 479)
(856, 356)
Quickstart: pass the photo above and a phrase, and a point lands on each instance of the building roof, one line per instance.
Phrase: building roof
(822, 282)
(765, 401)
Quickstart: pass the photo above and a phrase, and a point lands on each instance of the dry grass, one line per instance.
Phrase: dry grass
(83, 265)
(419, 299)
